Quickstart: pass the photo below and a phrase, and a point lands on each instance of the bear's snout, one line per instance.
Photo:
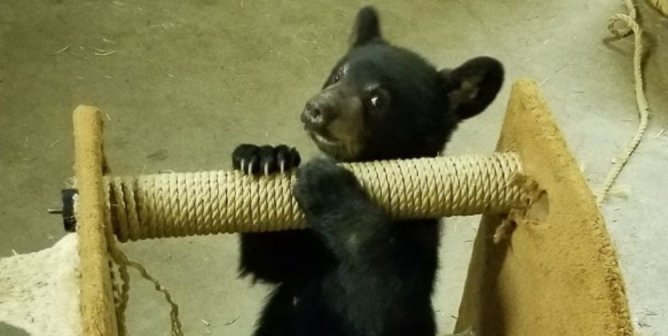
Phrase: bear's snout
(319, 111)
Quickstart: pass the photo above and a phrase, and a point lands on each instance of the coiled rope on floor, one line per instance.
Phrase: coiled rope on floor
(661, 6)
(630, 26)
(184, 204)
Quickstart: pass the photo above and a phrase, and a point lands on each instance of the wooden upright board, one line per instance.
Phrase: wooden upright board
(557, 273)
(98, 313)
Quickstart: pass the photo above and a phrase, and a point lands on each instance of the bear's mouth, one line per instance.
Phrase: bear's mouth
(323, 139)
(341, 149)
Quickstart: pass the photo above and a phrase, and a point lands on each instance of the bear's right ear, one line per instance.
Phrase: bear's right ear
(366, 28)
(472, 86)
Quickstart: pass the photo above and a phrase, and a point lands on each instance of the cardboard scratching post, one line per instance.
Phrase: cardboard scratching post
(555, 274)
(97, 304)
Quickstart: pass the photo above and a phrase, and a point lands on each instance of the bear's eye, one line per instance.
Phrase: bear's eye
(340, 72)
(375, 100)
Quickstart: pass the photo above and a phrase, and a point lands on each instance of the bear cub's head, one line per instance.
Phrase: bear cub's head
(385, 102)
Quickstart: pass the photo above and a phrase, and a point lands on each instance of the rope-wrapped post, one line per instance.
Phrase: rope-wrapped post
(184, 204)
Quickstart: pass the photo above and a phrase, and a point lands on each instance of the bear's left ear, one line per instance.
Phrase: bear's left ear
(366, 28)
(472, 86)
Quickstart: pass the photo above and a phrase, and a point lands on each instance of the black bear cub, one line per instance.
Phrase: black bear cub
(355, 271)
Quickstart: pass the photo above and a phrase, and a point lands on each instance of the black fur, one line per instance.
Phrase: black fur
(356, 272)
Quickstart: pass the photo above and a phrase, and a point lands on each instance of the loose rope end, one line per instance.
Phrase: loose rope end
(631, 27)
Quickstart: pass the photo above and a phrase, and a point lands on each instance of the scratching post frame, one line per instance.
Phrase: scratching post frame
(542, 264)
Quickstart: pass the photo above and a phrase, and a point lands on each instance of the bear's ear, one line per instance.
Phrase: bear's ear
(366, 27)
(472, 86)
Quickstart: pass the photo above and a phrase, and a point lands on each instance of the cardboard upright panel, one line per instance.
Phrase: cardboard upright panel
(557, 272)
(97, 304)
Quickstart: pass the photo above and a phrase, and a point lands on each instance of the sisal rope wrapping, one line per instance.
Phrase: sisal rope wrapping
(184, 204)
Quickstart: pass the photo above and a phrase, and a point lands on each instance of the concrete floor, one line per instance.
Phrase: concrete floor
(187, 82)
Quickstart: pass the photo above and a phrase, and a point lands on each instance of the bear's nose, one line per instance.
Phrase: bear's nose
(318, 112)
